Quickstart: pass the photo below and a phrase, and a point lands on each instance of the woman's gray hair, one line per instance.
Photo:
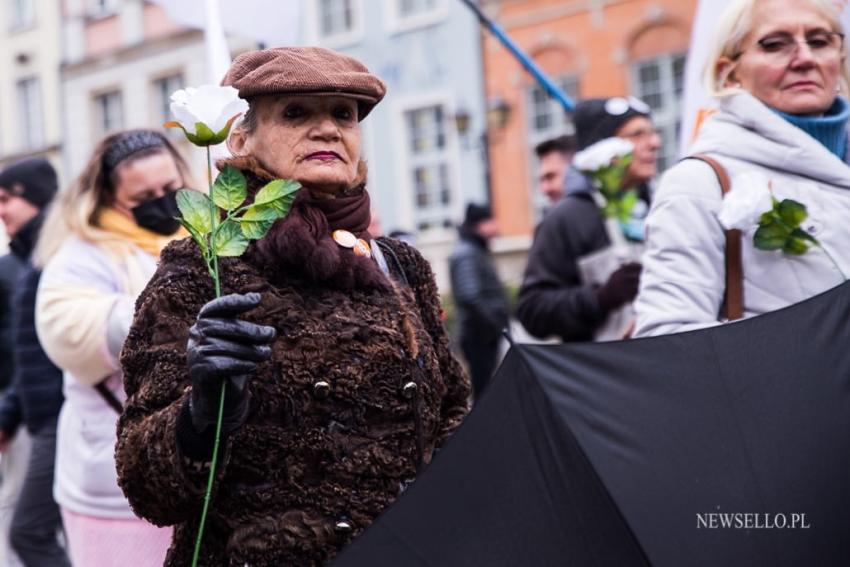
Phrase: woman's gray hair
(735, 23)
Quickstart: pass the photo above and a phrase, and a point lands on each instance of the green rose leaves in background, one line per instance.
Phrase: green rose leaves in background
(779, 229)
(778, 223)
(606, 163)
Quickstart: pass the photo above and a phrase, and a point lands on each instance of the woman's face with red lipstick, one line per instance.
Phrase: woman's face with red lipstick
(314, 140)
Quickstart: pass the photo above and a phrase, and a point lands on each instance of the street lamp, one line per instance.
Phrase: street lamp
(497, 116)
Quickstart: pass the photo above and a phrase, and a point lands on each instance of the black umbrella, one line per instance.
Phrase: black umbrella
(722, 447)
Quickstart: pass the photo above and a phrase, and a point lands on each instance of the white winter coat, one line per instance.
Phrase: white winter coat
(83, 313)
(683, 275)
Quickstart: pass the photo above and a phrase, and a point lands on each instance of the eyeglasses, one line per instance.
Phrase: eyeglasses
(783, 46)
(640, 134)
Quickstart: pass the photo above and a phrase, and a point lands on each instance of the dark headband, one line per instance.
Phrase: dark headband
(130, 143)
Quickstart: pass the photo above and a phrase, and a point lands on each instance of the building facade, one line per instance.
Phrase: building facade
(30, 101)
(122, 60)
(590, 48)
(423, 143)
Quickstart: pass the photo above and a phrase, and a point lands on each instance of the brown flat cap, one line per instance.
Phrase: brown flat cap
(305, 71)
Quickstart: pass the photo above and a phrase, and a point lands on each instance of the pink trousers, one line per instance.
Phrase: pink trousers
(104, 542)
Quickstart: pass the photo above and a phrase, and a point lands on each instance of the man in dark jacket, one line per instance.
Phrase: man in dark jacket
(35, 396)
(482, 307)
(553, 299)
(553, 161)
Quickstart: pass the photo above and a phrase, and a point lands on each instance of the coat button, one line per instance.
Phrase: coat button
(409, 389)
(321, 389)
(343, 526)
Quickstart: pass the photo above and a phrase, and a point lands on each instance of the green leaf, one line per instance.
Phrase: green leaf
(277, 189)
(768, 217)
(229, 240)
(795, 246)
(195, 209)
(257, 221)
(792, 212)
(803, 235)
(771, 237)
(199, 238)
(203, 136)
(230, 188)
(628, 200)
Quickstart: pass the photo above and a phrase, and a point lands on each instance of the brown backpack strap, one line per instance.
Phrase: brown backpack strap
(733, 297)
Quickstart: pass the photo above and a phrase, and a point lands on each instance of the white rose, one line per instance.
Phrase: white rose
(602, 153)
(216, 108)
(748, 198)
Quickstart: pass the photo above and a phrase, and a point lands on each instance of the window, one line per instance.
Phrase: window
(430, 170)
(109, 113)
(659, 83)
(546, 119)
(408, 8)
(336, 17)
(22, 13)
(338, 23)
(163, 89)
(29, 107)
(405, 15)
(101, 8)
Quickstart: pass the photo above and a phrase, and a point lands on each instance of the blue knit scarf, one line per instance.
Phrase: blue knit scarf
(830, 129)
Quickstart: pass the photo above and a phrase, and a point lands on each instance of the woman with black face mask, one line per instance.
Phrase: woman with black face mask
(99, 247)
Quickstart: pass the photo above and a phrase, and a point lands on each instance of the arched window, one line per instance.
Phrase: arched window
(657, 63)
(545, 116)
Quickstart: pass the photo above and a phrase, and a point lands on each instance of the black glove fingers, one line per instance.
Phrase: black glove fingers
(236, 330)
(220, 367)
(230, 305)
(215, 346)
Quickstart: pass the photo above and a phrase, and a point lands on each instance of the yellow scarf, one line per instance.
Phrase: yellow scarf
(125, 229)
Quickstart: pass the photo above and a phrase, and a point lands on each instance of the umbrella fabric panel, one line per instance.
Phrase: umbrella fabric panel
(751, 417)
(512, 487)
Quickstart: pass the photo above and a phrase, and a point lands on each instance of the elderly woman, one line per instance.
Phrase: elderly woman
(340, 383)
(777, 72)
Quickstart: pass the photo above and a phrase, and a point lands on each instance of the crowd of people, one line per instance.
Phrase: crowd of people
(340, 379)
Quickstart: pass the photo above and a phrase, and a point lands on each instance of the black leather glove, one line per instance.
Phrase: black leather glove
(222, 347)
(621, 287)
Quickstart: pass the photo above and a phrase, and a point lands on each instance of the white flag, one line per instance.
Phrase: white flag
(696, 101)
(275, 23)
(218, 54)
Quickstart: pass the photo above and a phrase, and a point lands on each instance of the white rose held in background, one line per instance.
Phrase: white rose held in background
(746, 202)
(602, 154)
(206, 113)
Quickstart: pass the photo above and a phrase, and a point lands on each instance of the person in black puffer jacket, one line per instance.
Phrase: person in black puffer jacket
(34, 397)
(480, 298)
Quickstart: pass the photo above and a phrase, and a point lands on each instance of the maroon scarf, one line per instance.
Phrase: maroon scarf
(301, 243)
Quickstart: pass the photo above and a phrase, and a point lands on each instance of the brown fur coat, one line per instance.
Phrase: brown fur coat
(309, 459)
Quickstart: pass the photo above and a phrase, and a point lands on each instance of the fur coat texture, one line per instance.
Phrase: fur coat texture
(332, 436)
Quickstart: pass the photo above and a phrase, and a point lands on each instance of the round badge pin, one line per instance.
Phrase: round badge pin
(361, 248)
(344, 238)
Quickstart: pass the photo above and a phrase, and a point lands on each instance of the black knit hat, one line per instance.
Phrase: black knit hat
(598, 118)
(476, 213)
(33, 179)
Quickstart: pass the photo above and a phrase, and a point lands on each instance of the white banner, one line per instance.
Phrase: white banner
(274, 22)
(695, 99)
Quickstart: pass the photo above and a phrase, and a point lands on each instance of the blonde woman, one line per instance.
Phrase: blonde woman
(778, 71)
(99, 247)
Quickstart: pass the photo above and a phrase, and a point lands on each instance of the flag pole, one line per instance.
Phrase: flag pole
(526, 61)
